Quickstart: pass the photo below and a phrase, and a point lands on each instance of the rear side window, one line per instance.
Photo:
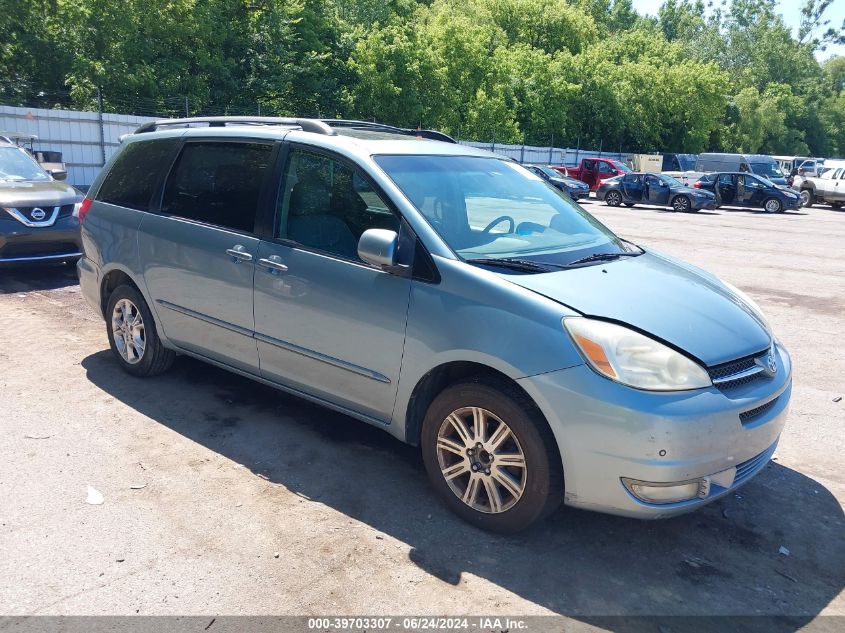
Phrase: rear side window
(218, 183)
(136, 173)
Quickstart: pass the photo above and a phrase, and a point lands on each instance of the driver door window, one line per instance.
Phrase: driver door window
(326, 205)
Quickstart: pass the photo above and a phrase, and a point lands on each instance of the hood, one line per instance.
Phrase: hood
(670, 300)
(577, 184)
(48, 193)
(778, 180)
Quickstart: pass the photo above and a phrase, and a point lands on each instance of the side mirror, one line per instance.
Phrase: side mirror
(378, 247)
(58, 174)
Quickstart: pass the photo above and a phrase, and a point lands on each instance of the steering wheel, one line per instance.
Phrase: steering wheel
(499, 220)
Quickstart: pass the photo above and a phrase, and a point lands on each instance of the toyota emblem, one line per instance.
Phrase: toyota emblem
(38, 214)
(771, 363)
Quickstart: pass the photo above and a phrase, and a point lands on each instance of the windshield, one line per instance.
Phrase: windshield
(487, 208)
(767, 170)
(672, 182)
(15, 164)
(551, 173)
(760, 180)
(687, 161)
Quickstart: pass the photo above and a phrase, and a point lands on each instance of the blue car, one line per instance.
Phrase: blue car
(741, 189)
(444, 295)
(575, 188)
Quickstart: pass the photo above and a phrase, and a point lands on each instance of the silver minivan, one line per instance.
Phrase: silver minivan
(444, 294)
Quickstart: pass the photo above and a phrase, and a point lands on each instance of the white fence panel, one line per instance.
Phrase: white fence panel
(77, 135)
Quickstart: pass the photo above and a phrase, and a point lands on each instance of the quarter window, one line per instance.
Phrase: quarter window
(218, 183)
(137, 172)
(326, 205)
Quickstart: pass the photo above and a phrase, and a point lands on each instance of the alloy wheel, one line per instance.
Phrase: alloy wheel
(772, 205)
(613, 199)
(681, 204)
(481, 460)
(128, 331)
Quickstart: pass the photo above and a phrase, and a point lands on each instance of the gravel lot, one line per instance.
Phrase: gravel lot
(222, 496)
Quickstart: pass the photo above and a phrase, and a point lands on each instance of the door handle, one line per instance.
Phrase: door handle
(238, 254)
(273, 264)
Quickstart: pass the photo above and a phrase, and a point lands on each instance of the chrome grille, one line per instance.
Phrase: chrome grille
(737, 372)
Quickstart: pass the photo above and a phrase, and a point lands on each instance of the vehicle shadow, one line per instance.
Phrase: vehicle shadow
(723, 559)
(751, 211)
(44, 277)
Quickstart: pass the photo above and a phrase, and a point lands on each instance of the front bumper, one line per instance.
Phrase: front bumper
(26, 245)
(703, 203)
(606, 432)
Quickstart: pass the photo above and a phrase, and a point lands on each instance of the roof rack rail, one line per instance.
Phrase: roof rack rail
(307, 125)
(433, 135)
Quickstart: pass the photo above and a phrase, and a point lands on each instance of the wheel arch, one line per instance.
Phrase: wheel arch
(115, 277)
(439, 378)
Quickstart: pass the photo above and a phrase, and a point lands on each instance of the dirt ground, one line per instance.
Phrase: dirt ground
(222, 496)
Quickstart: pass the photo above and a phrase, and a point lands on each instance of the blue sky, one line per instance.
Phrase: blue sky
(790, 9)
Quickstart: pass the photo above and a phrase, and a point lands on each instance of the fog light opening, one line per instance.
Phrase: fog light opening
(668, 492)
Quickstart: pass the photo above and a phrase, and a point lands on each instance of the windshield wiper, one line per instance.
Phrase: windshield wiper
(601, 257)
(522, 265)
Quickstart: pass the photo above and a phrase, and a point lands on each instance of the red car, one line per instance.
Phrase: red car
(593, 170)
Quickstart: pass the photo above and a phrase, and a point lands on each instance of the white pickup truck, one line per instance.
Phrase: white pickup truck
(829, 188)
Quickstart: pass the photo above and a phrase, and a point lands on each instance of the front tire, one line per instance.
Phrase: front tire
(807, 198)
(613, 198)
(132, 334)
(491, 456)
(773, 205)
(681, 204)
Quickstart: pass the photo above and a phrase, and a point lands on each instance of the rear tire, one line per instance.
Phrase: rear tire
(836, 205)
(476, 433)
(132, 334)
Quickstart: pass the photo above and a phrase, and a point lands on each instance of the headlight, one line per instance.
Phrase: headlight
(633, 359)
(752, 306)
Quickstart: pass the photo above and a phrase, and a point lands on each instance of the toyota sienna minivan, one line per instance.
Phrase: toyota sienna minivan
(444, 294)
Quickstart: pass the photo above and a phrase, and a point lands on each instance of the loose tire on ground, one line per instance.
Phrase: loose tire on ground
(132, 334)
(539, 484)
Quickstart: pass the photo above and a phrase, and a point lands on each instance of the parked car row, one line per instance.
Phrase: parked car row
(749, 181)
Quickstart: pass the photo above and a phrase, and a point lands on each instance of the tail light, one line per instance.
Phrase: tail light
(697, 185)
(83, 209)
